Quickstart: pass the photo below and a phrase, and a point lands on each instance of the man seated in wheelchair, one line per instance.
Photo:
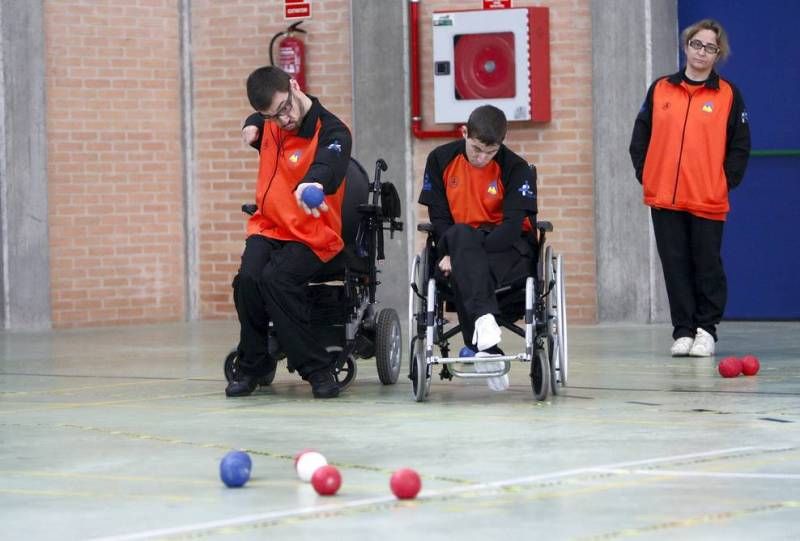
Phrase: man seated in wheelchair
(302, 145)
(480, 196)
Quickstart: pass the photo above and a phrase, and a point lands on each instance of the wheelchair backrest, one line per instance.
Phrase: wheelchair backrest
(356, 192)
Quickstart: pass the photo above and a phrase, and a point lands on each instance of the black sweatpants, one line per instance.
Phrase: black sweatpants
(271, 286)
(476, 274)
(689, 248)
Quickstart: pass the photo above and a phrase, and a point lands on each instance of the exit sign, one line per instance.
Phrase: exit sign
(296, 9)
(496, 4)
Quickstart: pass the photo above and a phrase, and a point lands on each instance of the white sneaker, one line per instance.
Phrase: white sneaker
(487, 332)
(496, 383)
(703, 345)
(681, 346)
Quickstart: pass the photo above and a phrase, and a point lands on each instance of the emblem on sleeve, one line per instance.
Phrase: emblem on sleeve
(526, 191)
(427, 186)
(335, 147)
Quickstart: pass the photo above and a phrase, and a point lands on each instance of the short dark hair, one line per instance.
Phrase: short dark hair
(709, 24)
(262, 85)
(487, 124)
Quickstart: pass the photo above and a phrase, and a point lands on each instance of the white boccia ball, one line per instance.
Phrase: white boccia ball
(308, 463)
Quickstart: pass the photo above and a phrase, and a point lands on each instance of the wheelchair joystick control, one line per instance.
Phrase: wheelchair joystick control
(313, 196)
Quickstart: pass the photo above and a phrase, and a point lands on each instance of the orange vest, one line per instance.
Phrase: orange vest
(285, 159)
(475, 194)
(684, 166)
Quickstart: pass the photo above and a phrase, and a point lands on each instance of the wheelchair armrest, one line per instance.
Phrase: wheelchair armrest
(425, 228)
(368, 209)
(249, 208)
(547, 227)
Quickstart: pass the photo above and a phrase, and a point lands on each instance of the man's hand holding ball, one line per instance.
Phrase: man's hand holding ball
(311, 198)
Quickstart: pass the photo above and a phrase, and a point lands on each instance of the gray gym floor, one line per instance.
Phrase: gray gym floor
(117, 433)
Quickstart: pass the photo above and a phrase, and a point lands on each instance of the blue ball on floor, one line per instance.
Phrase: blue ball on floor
(466, 351)
(234, 469)
(312, 196)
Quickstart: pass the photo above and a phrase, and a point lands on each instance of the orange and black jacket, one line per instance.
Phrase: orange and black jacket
(496, 197)
(690, 144)
(319, 151)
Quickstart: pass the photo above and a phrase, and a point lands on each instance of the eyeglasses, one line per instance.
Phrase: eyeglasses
(283, 109)
(710, 48)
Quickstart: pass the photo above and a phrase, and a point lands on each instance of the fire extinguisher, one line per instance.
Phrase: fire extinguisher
(291, 53)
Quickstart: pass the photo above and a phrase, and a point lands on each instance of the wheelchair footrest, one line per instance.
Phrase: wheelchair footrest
(470, 360)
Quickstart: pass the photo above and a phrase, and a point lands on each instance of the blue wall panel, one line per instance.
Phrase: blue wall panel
(761, 247)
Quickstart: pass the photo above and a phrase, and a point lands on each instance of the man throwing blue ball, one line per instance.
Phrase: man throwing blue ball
(301, 145)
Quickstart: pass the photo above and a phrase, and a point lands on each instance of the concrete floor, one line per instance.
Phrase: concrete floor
(117, 433)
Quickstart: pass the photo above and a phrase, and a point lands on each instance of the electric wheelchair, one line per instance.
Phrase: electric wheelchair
(342, 296)
(535, 295)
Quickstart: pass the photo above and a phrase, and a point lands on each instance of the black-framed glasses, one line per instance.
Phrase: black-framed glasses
(283, 109)
(710, 48)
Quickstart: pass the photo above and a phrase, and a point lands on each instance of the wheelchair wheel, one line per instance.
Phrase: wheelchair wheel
(562, 320)
(420, 375)
(232, 370)
(554, 362)
(416, 303)
(344, 370)
(388, 346)
(540, 374)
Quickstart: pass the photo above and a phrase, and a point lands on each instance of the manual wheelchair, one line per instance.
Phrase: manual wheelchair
(536, 295)
(342, 296)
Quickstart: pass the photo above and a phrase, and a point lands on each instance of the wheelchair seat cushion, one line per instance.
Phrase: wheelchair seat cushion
(334, 269)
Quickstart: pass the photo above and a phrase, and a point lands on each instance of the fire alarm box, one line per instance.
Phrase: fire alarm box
(499, 57)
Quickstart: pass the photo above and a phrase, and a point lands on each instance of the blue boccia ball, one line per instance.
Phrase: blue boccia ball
(466, 351)
(313, 196)
(234, 469)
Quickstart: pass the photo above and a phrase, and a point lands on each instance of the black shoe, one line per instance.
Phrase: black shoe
(322, 384)
(244, 385)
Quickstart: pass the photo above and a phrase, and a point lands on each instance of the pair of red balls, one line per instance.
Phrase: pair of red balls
(731, 367)
(405, 482)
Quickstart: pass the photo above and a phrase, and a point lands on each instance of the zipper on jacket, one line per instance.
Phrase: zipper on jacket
(680, 151)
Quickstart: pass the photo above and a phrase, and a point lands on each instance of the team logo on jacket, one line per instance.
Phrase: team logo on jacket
(708, 107)
(526, 191)
(295, 156)
(452, 182)
(335, 147)
(492, 189)
(745, 117)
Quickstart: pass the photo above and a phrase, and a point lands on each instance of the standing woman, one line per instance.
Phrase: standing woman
(690, 145)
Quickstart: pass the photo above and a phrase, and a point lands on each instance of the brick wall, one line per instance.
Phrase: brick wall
(561, 149)
(114, 161)
(114, 145)
(230, 39)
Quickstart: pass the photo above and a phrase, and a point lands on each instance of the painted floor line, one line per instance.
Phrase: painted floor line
(262, 517)
(720, 475)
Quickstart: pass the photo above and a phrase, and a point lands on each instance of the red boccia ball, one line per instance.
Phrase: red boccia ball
(326, 480)
(405, 483)
(750, 365)
(730, 367)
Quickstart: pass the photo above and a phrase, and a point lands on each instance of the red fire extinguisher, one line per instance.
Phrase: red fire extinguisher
(291, 53)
